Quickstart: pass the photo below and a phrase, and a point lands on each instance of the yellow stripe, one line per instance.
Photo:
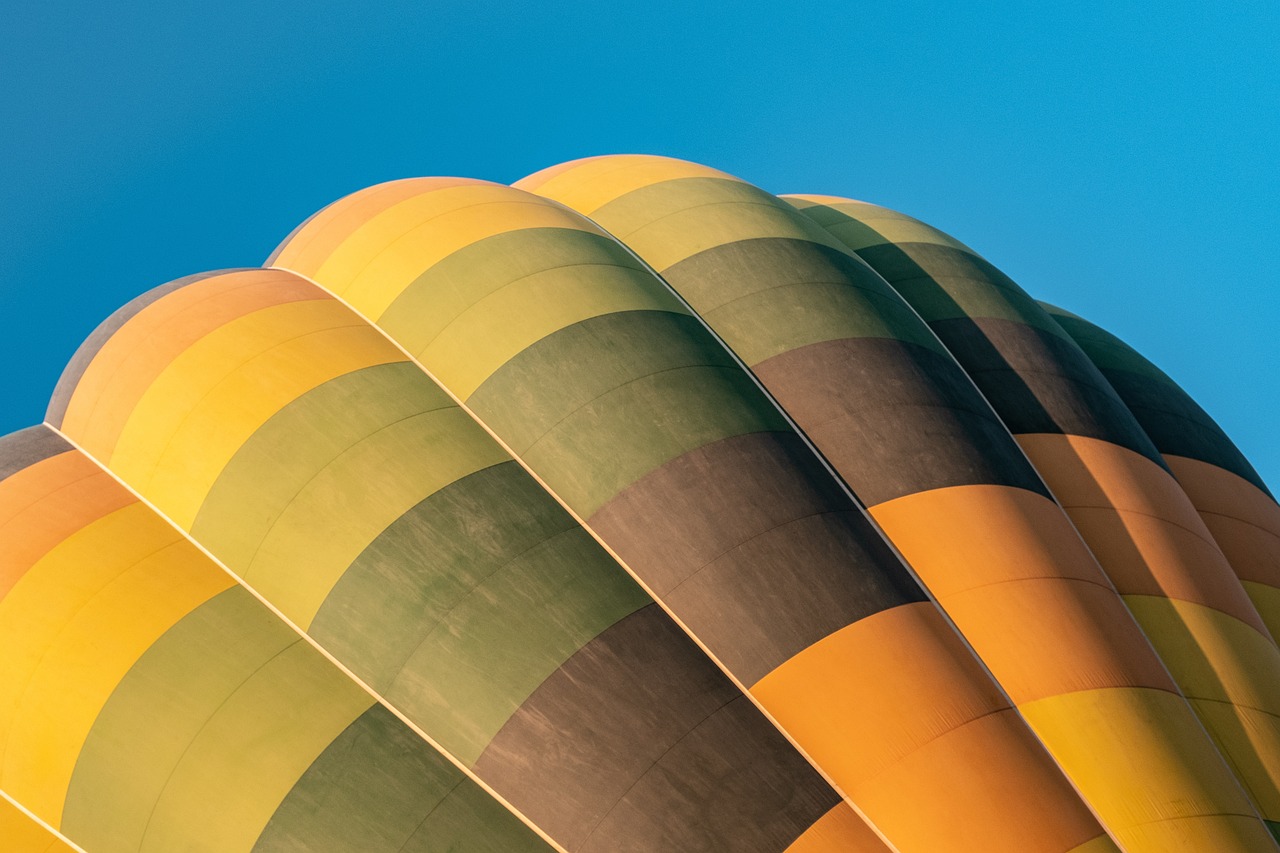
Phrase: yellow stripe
(1218, 658)
(315, 239)
(1267, 599)
(588, 185)
(22, 834)
(1113, 743)
(382, 258)
(209, 400)
(72, 628)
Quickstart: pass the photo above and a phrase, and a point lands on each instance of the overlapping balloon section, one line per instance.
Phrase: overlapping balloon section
(629, 508)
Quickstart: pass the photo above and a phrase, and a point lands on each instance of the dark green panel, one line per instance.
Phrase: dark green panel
(378, 787)
(1175, 422)
(441, 293)
(409, 579)
(465, 604)
(852, 232)
(603, 402)
(282, 457)
(1042, 383)
(570, 368)
(943, 282)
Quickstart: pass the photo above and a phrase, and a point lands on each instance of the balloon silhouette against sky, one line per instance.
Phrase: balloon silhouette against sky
(629, 508)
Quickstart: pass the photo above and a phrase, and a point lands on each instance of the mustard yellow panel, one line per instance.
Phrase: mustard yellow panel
(1222, 661)
(1143, 760)
(363, 228)
(1267, 599)
(587, 185)
(497, 328)
(204, 406)
(345, 506)
(1222, 834)
(1250, 740)
(386, 256)
(1101, 844)
(71, 629)
(1211, 654)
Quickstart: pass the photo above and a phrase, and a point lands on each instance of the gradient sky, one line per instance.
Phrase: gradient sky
(1116, 158)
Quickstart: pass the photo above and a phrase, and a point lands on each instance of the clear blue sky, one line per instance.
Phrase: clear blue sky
(1117, 158)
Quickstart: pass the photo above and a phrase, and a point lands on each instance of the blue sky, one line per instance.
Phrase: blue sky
(1117, 158)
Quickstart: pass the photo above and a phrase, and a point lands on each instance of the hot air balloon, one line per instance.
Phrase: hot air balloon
(627, 508)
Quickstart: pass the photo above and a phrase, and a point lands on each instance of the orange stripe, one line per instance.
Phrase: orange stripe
(1138, 523)
(128, 363)
(315, 241)
(1011, 571)
(27, 503)
(1244, 521)
(907, 724)
(838, 831)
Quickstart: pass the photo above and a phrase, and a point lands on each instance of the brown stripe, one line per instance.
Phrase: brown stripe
(895, 418)
(26, 447)
(638, 743)
(75, 369)
(1040, 383)
(761, 554)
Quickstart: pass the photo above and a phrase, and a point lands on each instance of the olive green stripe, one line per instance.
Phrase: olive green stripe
(187, 707)
(465, 604)
(640, 207)
(611, 443)
(942, 282)
(855, 233)
(284, 454)
(768, 296)
(576, 365)
(601, 403)
(378, 787)
(1175, 422)
(449, 287)
(1104, 349)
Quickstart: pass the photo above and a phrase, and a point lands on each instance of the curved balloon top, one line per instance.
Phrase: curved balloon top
(630, 507)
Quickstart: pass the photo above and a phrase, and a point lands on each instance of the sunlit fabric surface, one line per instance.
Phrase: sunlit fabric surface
(629, 508)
